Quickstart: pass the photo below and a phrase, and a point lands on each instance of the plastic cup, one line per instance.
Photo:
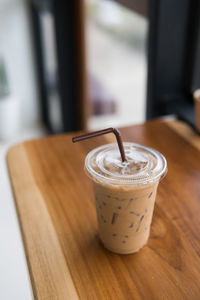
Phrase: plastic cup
(125, 193)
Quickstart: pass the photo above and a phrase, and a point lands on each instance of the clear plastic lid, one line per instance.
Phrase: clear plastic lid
(144, 165)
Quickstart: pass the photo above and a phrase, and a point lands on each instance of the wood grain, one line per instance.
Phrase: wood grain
(56, 209)
(186, 132)
(40, 239)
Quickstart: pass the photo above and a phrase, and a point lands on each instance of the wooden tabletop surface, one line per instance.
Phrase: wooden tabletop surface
(55, 205)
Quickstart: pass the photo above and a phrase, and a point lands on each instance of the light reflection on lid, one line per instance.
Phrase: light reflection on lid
(143, 164)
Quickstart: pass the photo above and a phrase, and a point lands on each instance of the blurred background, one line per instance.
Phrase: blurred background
(114, 49)
(84, 65)
(116, 56)
(95, 63)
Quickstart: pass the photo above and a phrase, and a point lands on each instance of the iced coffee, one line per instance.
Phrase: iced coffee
(125, 193)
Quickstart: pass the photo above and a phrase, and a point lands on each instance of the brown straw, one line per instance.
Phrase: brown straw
(101, 132)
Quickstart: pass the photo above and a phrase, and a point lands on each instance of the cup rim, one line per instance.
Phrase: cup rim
(100, 178)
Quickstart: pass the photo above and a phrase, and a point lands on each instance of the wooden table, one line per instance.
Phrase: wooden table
(54, 200)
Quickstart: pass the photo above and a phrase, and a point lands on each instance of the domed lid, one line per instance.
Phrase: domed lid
(143, 165)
